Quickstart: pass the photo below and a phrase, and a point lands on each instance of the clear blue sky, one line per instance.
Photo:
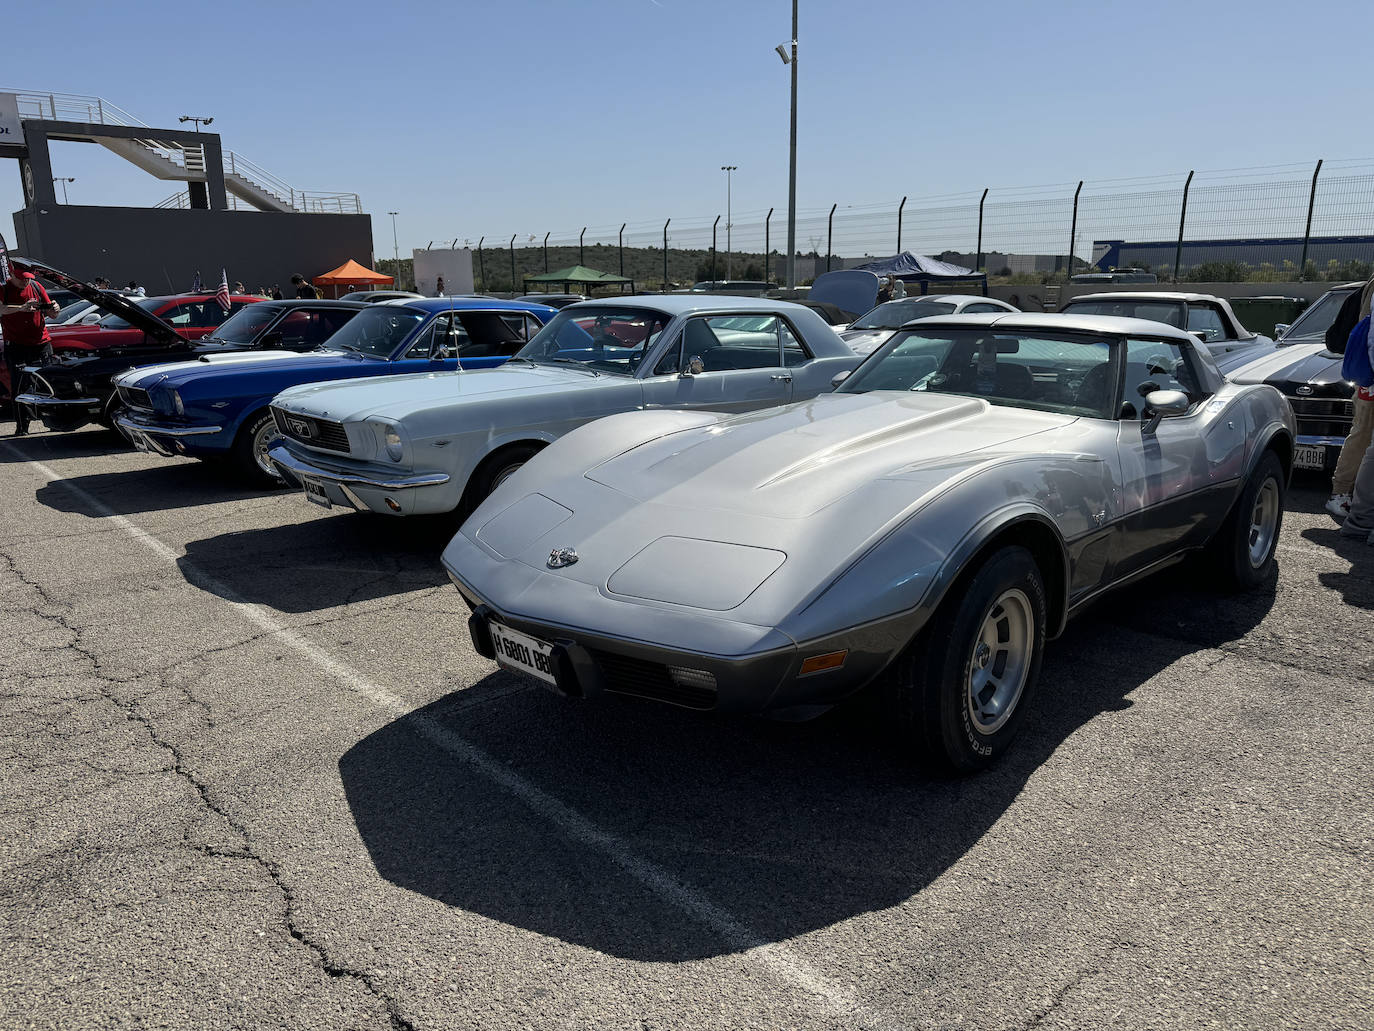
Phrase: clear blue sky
(535, 115)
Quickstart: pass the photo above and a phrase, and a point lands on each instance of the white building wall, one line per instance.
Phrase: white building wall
(454, 265)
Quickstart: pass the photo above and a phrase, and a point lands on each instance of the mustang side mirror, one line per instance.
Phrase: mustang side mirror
(1164, 403)
(695, 367)
(1280, 329)
(839, 377)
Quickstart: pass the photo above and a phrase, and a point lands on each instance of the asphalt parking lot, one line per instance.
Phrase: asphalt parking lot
(255, 776)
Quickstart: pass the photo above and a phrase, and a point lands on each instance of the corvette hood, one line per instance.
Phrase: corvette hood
(791, 462)
(399, 396)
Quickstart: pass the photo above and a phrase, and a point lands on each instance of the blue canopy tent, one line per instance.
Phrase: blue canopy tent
(919, 268)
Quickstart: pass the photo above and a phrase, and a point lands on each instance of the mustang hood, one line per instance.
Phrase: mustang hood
(1297, 363)
(794, 461)
(397, 397)
(107, 301)
(866, 341)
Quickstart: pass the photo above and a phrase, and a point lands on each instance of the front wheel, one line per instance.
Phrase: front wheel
(961, 689)
(1244, 547)
(257, 436)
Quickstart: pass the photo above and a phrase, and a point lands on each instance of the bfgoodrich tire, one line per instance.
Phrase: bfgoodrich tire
(258, 433)
(960, 691)
(1243, 549)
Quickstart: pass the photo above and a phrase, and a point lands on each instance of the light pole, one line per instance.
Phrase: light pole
(727, 169)
(198, 119)
(782, 49)
(395, 247)
(64, 182)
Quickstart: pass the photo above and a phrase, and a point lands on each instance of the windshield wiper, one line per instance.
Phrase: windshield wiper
(574, 361)
(521, 358)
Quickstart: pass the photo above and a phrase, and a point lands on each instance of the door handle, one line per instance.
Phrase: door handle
(783, 378)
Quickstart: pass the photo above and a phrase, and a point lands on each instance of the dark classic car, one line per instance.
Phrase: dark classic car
(76, 388)
(1307, 370)
(924, 528)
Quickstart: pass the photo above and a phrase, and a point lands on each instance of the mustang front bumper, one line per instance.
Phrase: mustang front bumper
(366, 490)
(64, 408)
(149, 434)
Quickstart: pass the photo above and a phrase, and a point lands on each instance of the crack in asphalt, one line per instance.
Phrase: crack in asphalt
(59, 612)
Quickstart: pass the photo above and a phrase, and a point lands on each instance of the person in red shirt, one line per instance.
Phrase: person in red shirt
(26, 334)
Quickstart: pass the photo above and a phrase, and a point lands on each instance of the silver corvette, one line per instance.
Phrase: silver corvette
(927, 526)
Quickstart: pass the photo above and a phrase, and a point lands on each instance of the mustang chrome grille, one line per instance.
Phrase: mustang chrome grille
(625, 675)
(136, 397)
(1323, 416)
(321, 433)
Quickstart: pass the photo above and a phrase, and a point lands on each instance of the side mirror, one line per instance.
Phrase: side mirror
(1281, 329)
(1163, 404)
(1200, 334)
(695, 367)
(840, 377)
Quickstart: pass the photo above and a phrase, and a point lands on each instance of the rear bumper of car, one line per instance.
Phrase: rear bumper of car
(149, 434)
(365, 489)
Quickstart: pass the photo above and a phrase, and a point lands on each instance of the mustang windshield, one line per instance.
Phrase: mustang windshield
(1316, 320)
(1050, 372)
(896, 314)
(245, 324)
(377, 331)
(1168, 312)
(605, 338)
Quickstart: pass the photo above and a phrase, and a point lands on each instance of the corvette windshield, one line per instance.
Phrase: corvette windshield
(896, 314)
(245, 324)
(603, 338)
(1048, 372)
(377, 331)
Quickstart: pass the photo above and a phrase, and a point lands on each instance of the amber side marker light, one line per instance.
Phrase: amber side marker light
(821, 663)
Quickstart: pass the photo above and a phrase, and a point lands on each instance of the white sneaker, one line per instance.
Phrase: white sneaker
(1339, 507)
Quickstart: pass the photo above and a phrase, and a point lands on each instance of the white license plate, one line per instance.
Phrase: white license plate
(522, 653)
(1309, 456)
(315, 492)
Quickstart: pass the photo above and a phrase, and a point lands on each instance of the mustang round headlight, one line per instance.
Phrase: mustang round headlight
(392, 439)
(177, 406)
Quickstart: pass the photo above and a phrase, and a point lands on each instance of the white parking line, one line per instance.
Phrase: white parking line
(777, 958)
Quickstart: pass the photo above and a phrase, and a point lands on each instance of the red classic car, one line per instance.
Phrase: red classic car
(191, 315)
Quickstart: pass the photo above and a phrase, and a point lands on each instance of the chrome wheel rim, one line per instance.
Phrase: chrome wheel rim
(1000, 662)
(262, 442)
(1264, 521)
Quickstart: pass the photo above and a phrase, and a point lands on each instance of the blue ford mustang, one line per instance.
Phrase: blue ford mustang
(220, 409)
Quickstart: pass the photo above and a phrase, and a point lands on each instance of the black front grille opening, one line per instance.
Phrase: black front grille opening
(324, 433)
(624, 675)
(137, 397)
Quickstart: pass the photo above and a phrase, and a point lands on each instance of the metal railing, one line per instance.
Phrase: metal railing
(74, 107)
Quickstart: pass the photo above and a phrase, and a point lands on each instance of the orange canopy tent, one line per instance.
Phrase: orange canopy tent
(351, 275)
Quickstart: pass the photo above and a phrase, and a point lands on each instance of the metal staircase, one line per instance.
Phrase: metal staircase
(244, 180)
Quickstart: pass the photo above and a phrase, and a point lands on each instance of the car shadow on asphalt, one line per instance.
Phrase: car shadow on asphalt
(1356, 587)
(171, 484)
(787, 828)
(38, 446)
(321, 563)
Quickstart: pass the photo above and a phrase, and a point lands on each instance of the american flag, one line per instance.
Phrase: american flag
(222, 294)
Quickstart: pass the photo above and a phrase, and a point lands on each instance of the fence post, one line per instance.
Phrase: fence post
(978, 258)
(1182, 216)
(899, 225)
(665, 255)
(622, 250)
(1073, 233)
(713, 248)
(481, 263)
(767, 249)
(546, 253)
(581, 247)
(829, 235)
(1307, 233)
(512, 264)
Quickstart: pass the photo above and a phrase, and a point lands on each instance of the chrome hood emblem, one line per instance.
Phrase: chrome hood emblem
(1304, 390)
(561, 557)
(300, 427)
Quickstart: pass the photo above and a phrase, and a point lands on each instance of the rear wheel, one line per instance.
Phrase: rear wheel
(1244, 547)
(258, 434)
(961, 689)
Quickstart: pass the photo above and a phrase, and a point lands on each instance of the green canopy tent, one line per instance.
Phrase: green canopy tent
(579, 276)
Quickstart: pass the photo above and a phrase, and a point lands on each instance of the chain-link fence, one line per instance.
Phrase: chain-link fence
(1281, 223)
